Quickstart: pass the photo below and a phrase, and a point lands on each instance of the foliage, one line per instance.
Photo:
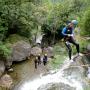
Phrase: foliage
(15, 38)
(5, 51)
(25, 16)
(86, 24)
(29, 17)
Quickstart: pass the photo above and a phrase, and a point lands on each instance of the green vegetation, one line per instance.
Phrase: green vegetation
(15, 38)
(59, 56)
(86, 23)
(5, 51)
(26, 18)
(57, 61)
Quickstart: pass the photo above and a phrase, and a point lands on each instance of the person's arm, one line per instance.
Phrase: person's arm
(63, 32)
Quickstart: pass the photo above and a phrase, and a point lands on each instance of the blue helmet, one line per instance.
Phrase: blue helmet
(75, 22)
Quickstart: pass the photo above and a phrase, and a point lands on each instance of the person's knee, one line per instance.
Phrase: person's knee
(70, 50)
(77, 45)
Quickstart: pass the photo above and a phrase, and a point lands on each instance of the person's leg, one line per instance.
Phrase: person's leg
(76, 44)
(44, 63)
(35, 64)
(69, 49)
(40, 61)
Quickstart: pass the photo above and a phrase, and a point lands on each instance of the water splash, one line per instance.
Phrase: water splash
(52, 78)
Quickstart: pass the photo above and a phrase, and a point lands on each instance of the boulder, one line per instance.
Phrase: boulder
(36, 50)
(20, 51)
(56, 86)
(6, 81)
(49, 51)
(2, 68)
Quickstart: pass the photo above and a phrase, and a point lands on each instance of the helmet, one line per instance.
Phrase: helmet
(38, 54)
(45, 54)
(36, 57)
(75, 22)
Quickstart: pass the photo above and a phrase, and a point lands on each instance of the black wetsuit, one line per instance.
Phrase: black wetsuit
(45, 60)
(69, 39)
(35, 61)
(39, 60)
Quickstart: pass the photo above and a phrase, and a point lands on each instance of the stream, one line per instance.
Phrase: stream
(66, 78)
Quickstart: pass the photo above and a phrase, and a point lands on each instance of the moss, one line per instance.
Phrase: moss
(5, 51)
(14, 38)
(57, 61)
(59, 55)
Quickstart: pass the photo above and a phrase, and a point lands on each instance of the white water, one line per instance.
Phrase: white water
(52, 78)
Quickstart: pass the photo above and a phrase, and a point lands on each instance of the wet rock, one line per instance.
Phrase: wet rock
(6, 81)
(2, 68)
(36, 50)
(88, 47)
(8, 62)
(76, 68)
(56, 86)
(49, 51)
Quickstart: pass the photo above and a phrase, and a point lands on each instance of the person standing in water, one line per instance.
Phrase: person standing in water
(35, 62)
(39, 59)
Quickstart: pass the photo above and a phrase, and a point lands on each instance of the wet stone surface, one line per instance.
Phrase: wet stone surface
(57, 86)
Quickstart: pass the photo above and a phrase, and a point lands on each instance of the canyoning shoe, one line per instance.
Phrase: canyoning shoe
(80, 54)
(71, 60)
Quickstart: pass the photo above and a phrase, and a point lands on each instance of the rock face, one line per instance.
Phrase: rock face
(36, 50)
(49, 51)
(2, 68)
(6, 81)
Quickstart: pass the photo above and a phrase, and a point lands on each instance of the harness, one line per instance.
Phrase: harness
(68, 31)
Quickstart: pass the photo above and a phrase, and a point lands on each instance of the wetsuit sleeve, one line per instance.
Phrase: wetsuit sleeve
(63, 31)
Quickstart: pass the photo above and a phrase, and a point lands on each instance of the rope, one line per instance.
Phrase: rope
(86, 65)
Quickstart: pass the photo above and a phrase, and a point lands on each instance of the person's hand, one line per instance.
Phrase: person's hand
(70, 35)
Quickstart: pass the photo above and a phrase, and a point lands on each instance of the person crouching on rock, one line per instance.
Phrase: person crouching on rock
(45, 59)
(36, 61)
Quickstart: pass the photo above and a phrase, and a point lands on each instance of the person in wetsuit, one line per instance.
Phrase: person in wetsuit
(68, 34)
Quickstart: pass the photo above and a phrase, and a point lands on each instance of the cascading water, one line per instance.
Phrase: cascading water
(55, 78)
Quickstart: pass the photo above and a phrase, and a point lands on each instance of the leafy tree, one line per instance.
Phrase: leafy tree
(85, 24)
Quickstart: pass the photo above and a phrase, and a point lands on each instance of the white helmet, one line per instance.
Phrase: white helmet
(75, 22)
